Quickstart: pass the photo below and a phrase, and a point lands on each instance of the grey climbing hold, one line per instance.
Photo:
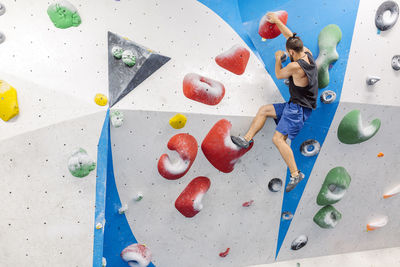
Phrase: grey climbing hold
(371, 80)
(383, 22)
(2, 37)
(328, 97)
(275, 185)
(2, 9)
(396, 62)
(286, 81)
(284, 57)
(310, 148)
(287, 215)
(299, 242)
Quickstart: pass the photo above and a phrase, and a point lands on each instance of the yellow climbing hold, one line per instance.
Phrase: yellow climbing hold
(178, 121)
(8, 101)
(101, 100)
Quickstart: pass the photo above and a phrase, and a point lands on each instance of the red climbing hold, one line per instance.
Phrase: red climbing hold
(269, 30)
(189, 201)
(248, 203)
(136, 255)
(203, 89)
(186, 146)
(219, 149)
(235, 59)
(225, 253)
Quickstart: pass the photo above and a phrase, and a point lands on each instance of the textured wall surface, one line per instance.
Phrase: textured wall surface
(48, 214)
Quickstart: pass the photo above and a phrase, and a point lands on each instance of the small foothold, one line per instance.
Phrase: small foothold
(392, 192)
(2, 9)
(335, 186)
(225, 253)
(327, 217)
(310, 148)
(248, 203)
(99, 226)
(396, 62)
(275, 185)
(117, 52)
(80, 164)
(284, 57)
(129, 58)
(8, 101)
(100, 100)
(287, 82)
(379, 223)
(328, 39)
(178, 121)
(63, 14)
(137, 255)
(371, 80)
(352, 131)
(328, 97)
(139, 196)
(263, 39)
(287, 215)
(103, 262)
(299, 242)
(383, 22)
(2, 37)
(116, 118)
(123, 209)
(380, 155)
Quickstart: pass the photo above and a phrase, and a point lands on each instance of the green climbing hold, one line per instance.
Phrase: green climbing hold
(352, 131)
(327, 217)
(63, 14)
(328, 39)
(129, 58)
(117, 52)
(117, 118)
(80, 164)
(336, 183)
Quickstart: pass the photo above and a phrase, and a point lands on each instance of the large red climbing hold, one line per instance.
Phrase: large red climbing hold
(186, 146)
(203, 89)
(268, 30)
(136, 255)
(219, 149)
(189, 201)
(235, 59)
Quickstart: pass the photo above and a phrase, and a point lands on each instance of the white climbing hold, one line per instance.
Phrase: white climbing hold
(103, 262)
(392, 192)
(123, 209)
(139, 196)
(379, 223)
(99, 226)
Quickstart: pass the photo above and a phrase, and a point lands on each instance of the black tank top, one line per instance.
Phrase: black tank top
(305, 96)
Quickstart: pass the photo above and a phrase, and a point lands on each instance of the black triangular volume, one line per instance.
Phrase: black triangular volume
(123, 79)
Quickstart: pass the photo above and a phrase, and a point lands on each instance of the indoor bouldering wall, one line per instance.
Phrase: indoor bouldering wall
(119, 149)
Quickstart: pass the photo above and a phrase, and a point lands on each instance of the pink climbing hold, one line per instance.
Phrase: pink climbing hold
(225, 253)
(248, 203)
(235, 59)
(268, 30)
(136, 255)
(189, 201)
(219, 149)
(186, 146)
(203, 89)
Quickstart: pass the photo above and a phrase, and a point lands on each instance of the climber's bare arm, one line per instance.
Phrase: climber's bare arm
(273, 18)
(286, 72)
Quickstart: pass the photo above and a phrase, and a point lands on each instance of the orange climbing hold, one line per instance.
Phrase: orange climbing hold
(380, 155)
(379, 223)
(392, 192)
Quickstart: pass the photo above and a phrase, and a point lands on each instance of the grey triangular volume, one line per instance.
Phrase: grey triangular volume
(123, 79)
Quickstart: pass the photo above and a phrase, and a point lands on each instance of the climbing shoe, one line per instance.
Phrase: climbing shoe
(294, 181)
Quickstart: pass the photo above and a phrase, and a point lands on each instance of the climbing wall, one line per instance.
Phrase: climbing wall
(58, 72)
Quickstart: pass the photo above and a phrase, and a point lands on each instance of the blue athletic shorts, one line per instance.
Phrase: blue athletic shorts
(290, 118)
